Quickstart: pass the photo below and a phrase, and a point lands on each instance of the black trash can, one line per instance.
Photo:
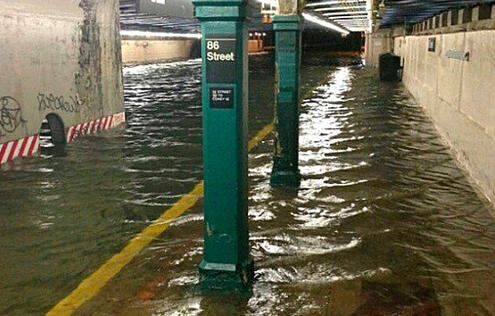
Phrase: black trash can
(390, 69)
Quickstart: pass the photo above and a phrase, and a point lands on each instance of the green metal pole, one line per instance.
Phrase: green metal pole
(288, 62)
(227, 263)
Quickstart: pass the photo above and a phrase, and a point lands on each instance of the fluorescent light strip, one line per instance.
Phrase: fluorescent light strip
(272, 2)
(347, 18)
(346, 22)
(362, 7)
(327, 24)
(346, 13)
(315, 19)
(316, 4)
(159, 34)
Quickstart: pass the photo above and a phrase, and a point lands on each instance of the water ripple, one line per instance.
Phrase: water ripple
(384, 223)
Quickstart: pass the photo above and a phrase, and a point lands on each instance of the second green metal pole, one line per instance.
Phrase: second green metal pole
(288, 62)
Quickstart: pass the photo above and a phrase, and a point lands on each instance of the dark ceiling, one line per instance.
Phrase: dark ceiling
(351, 14)
(414, 11)
(131, 19)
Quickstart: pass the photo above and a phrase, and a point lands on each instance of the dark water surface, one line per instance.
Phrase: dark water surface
(384, 223)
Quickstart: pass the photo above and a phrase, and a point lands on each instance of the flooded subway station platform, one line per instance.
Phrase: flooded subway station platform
(320, 158)
(384, 222)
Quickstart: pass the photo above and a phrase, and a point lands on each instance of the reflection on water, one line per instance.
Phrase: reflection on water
(384, 223)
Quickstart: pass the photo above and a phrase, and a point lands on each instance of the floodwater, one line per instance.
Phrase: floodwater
(385, 223)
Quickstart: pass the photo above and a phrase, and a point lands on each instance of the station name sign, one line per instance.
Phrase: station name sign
(220, 59)
(221, 70)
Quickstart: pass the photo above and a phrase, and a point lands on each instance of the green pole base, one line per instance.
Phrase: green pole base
(284, 178)
(226, 277)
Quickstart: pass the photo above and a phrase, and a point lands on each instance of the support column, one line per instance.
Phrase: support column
(227, 263)
(288, 62)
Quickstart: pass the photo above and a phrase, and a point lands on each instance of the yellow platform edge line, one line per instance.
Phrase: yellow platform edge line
(96, 281)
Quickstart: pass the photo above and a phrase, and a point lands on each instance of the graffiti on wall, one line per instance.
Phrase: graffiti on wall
(50, 102)
(10, 115)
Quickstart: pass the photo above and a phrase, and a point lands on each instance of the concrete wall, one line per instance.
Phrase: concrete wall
(149, 51)
(58, 56)
(376, 44)
(476, 24)
(458, 94)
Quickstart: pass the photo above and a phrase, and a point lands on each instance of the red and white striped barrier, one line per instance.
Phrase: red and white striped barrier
(24, 147)
(28, 146)
(92, 127)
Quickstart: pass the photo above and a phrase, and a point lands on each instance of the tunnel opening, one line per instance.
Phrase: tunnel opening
(52, 136)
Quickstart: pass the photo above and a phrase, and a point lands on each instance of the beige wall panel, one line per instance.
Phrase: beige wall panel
(478, 86)
(450, 71)
(149, 51)
(459, 95)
